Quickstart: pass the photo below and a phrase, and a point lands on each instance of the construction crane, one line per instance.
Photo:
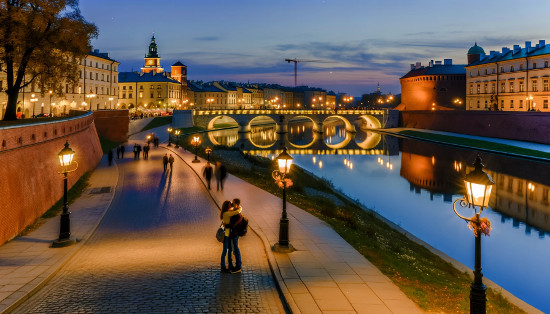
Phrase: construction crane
(296, 66)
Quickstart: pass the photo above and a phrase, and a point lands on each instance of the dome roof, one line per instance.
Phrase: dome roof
(475, 50)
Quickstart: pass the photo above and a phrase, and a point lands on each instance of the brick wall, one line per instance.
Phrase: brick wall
(522, 126)
(112, 124)
(29, 182)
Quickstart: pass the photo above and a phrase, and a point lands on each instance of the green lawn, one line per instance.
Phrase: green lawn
(157, 121)
(475, 144)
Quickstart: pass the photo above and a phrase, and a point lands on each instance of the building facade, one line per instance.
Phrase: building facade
(511, 80)
(97, 89)
(438, 86)
(153, 89)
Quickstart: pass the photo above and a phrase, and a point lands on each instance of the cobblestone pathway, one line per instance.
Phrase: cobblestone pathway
(155, 251)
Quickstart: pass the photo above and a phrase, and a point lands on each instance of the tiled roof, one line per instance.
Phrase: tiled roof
(437, 70)
(178, 64)
(102, 55)
(130, 77)
(510, 55)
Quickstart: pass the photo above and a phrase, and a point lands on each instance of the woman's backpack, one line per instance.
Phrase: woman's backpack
(240, 226)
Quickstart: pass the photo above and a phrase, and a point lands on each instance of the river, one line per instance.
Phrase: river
(413, 184)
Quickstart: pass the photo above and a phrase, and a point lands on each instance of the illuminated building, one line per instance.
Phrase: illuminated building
(438, 86)
(511, 80)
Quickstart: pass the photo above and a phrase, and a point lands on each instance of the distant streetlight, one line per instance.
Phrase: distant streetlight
(209, 101)
(208, 150)
(169, 136)
(177, 134)
(33, 100)
(50, 92)
(285, 161)
(196, 142)
(91, 96)
(65, 159)
(478, 191)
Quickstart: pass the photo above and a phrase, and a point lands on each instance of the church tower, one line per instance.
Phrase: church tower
(152, 59)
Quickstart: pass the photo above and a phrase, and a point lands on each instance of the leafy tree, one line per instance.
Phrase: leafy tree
(41, 43)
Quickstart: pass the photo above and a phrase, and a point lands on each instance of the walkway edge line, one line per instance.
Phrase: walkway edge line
(56, 268)
(284, 293)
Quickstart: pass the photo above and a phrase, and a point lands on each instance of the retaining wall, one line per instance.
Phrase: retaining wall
(29, 180)
(112, 124)
(522, 126)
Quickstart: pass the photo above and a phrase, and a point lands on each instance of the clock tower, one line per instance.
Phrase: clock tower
(152, 59)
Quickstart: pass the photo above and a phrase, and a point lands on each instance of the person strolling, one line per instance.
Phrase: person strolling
(207, 173)
(225, 215)
(165, 161)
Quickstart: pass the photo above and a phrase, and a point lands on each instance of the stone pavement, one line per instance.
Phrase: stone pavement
(325, 274)
(155, 251)
(28, 262)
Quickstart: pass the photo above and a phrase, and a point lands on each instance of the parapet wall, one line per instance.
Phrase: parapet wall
(29, 182)
(522, 126)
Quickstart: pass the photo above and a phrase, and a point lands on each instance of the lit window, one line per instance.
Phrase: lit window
(521, 103)
(534, 85)
(545, 104)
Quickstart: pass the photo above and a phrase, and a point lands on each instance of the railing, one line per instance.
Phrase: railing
(201, 112)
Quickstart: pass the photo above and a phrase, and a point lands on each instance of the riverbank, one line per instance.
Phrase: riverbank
(433, 283)
(534, 151)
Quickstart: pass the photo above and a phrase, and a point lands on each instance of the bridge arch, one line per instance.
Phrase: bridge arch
(350, 127)
(315, 133)
(371, 121)
(270, 137)
(212, 121)
(372, 139)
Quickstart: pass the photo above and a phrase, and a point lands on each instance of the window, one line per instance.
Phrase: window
(485, 71)
(123, 87)
(152, 95)
(129, 95)
(140, 94)
(493, 87)
(534, 65)
(521, 67)
(502, 104)
(534, 85)
(521, 86)
(478, 73)
(545, 64)
(521, 103)
(503, 87)
(512, 68)
(485, 90)
(512, 104)
(158, 86)
(471, 89)
(141, 87)
(123, 95)
(486, 105)
(545, 85)
(97, 76)
(501, 69)
(158, 95)
(512, 86)
(478, 103)
(91, 77)
(478, 88)
(494, 69)
(130, 87)
(103, 77)
(96, 65)
(545, 104)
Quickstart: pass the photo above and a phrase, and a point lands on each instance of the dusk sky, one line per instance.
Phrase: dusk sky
(361, 42)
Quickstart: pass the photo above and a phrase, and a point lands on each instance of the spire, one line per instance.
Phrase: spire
(153, 48)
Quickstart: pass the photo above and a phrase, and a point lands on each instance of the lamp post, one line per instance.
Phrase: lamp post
(478, 188)
(65, 159)
(209, 101)
(169, 136)
(208, 150)
(529, 101)
(196, 142)
(33, 101)
(285, 161)
(177, 134)
(91, 96)
(50, 92)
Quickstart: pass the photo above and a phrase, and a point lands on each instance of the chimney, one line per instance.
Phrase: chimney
(528, 46)
(542, 43)
(517, 49)
(412, 66)
(505, 50)
(418, 65)
(438, 63)
(431, 64)
(448, 61)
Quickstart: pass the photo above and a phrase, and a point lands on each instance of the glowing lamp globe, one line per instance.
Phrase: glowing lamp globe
(285, 161)
(478, 185)
(66, 155)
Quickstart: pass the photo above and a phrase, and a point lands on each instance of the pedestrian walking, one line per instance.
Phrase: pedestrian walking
(165, 161)
(118, 152)
(135, 151)
(220, 173)
(122, 149)
(146, 151)
(207, 173)
(138, 150)
(225, 216)
(110, 157)
(235, 221)
(171, 161)
(156, 142)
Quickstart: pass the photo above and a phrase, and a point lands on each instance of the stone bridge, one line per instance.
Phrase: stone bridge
(374, 119)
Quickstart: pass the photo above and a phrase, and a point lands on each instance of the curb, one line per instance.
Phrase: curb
(288, 302)
(68, 256)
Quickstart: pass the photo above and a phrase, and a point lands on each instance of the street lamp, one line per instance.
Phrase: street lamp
(196, 142)
(169, 136)
(33, 101)
(529, 101)
(285, 161)
(478, 188)
(91, 96)
(50, 92)
(177, 134)
(208, 150)
(65, 159)
(209, 101)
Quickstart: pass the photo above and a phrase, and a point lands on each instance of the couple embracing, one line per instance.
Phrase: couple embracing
(235, 225)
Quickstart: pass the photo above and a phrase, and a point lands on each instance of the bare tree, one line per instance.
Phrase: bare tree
(41, 43)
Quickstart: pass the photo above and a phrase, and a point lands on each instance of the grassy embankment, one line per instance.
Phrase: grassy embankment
(72, 194)
(427, 279)
(475, 144)
(157, 121)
